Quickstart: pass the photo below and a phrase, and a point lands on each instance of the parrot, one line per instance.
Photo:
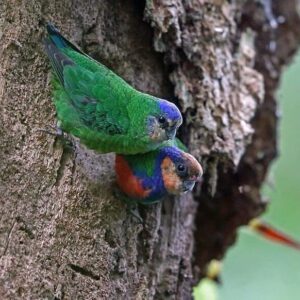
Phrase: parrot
(100, 108)
(269, 232)
(147, 178)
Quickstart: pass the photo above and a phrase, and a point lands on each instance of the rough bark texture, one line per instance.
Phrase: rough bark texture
(63, 235)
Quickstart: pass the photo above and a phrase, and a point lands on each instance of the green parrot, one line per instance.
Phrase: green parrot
(100, 108)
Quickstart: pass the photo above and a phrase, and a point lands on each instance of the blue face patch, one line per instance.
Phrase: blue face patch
(174, 153)
(170, 110)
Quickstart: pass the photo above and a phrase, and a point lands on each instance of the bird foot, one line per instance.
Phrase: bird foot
(132, 206)
(52, 130)
(135, 213)
(58, 133)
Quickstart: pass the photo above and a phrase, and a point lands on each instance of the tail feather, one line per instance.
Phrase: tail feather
(61, 43)
(57, 58)
(59, 40)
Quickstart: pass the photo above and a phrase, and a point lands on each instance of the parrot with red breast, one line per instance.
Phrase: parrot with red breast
(147, 178)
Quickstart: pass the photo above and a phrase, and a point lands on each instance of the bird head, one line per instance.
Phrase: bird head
(164, 124)
(180, 170)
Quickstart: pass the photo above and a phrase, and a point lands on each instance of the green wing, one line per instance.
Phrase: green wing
(94, 94)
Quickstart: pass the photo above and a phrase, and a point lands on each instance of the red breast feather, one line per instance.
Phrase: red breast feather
(127, 181)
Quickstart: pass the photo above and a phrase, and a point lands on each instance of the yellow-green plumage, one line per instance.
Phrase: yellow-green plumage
(100, 108)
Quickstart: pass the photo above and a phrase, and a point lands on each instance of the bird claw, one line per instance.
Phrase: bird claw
(135, 213)
(132, 207)
(52, 130)
(57, 132)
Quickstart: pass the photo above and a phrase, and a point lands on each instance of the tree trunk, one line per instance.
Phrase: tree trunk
(63, 235)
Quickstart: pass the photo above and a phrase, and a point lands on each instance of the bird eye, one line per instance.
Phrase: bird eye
(181, 168)
(162, 120)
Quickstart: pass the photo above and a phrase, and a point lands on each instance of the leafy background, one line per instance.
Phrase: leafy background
(255, 268)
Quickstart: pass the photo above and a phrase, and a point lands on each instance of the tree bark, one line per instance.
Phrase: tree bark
(63, 235)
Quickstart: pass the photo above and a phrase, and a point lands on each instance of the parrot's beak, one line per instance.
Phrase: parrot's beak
(170, 133)
(188, 185)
